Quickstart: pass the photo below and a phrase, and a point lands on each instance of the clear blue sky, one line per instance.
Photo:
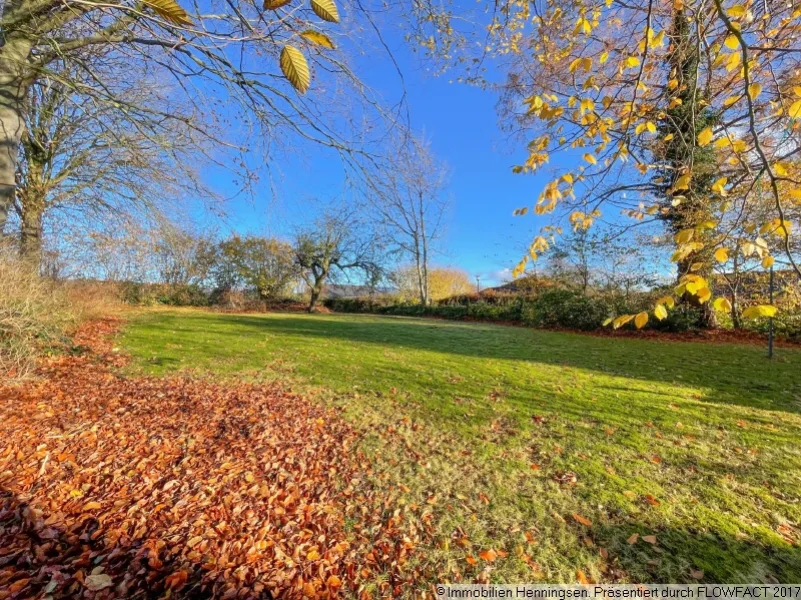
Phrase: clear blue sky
(460, 122)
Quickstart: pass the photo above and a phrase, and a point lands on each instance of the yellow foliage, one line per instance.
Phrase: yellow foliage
(761, 310)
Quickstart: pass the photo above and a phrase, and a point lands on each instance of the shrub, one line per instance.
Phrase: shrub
(508, 311)
(34, 315)
(565, 308)
(149, 294)
(92, 299)
(786, 325)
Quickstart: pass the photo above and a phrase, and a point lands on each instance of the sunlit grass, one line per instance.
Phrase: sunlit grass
(508, 432)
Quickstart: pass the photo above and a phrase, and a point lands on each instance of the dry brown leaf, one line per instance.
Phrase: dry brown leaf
(583, 520)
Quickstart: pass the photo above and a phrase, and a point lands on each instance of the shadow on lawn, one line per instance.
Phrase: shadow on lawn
(57, 559)
(771, 385)
(681, 556)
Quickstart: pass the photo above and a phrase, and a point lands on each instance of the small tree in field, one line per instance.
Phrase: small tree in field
(336, 245)
(268, 265)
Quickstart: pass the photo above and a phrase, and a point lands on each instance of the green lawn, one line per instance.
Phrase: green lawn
(503, 434)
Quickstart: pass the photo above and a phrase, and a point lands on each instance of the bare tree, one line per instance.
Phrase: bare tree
(411, 206)
(94, 158)
(337, 243)
(229, 60)
(182, 254)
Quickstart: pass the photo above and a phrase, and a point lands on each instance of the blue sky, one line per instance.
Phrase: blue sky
(460, 123)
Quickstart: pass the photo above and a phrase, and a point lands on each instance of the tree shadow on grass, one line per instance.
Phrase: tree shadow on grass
(733, 374)
(649, 555)
(70, 557)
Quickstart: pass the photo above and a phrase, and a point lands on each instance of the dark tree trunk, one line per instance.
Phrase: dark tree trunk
(314, 297)
(736, 320)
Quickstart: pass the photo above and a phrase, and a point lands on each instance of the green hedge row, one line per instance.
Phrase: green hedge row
(551, 308)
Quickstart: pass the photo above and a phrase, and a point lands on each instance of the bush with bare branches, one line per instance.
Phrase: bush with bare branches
(34, 314)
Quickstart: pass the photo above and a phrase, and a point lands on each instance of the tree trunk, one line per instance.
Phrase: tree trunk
(13, 88)
(31, 238)
(316, 292)
(736, 320)
(32, 199)
(423, 254)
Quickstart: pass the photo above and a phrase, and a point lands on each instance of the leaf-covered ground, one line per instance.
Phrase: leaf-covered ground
(538, 456)
(116, 487)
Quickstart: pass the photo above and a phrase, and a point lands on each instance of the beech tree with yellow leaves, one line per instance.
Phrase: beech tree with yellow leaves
(672, 111)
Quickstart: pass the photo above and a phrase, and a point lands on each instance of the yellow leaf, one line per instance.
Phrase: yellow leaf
(660, 312)
(667, 301)
(761, 310)
(295, 69)
(722, 304)
(780, 169)
(719, 186)
(621, 320)
(170, 10)
(682, 183)
(754, 90)
(737, 11)
(732, 42)
(705, 137)
(684, 236)
(590, 158)
(604, 57)
(704, 294)
(668, 137)
(651, 127)
(320, 39)
(641, 319)
(722, 255)
(767, 262)
(632, 61)
(733, 62)
(326, 10)
(274, 4)
(795, 110)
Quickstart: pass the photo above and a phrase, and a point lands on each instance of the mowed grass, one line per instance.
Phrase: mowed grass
(567, 452)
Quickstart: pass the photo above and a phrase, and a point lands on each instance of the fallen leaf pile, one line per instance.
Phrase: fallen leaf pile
(115, 487)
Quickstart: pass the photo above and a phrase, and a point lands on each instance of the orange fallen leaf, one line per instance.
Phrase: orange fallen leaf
(177, 580)
(470, 559)
(649, 498)
(633, 538)
(651, 539)
(488, 555)
(583, 520)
